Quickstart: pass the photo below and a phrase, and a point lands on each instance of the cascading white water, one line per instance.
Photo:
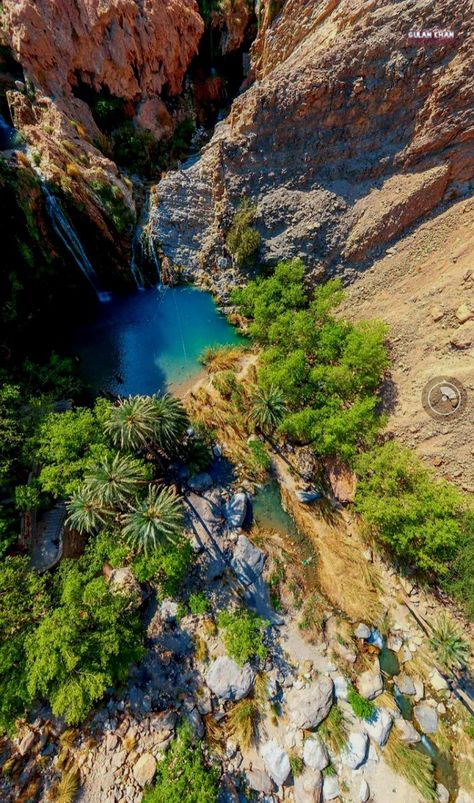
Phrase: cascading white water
(71, 241)
(143, 247)
(67, 233)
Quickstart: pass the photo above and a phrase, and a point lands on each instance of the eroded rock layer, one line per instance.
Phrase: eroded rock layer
(350, 132)
(133, 49)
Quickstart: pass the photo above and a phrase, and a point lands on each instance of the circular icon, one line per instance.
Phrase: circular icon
(444, 397)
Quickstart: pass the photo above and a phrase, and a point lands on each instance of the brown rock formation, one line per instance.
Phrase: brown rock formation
(134, 49)
(350, 133)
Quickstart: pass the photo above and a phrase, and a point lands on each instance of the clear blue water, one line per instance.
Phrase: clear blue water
(150, 340)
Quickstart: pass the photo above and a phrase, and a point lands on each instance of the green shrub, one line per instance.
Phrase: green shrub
(326, 371)
(243, 240)
(362, 708)
(296, 764)
(83, 645)
(114, 205)
(422, 520)
(243, 634)
(183, 776)
(198, 603)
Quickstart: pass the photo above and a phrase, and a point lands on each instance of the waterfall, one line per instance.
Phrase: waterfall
(68, 235)
(71, 241)
(143, 247)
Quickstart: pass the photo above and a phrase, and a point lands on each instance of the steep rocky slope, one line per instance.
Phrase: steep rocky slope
(349, 133)
(424, 289)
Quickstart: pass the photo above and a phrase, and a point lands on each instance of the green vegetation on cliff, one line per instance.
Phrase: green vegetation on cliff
(326, 370)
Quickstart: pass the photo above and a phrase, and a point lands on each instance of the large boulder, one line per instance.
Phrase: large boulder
(277, 763)
(379, 726)
(259, 781)
(426, 717)
(308, 787)
(228, 681)
(235, 510)
(247, 561)
(405, 684)
(200, 482)
(362, 631)
(144, 769)
(308, 707)
(370, 683)
(407, 732)
(330, 787)
(364, 791)
(315, 753)
(355, 752)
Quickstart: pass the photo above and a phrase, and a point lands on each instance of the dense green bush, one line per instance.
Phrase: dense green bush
(198, 603)
(326, 370)
(242, 634)
(183, 776)
(23, 602)
(243, 240)
(82, 646)
(417, 516)
(66, 446)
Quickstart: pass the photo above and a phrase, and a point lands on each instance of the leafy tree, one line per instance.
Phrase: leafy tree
(184, 776)
(326, 370)
(156, 519)
(267, 408)
(422, 520)
(449, 644)
(23, 603)
(82, 646)
(66, 445)
(243, 240)
(243, 634)
(12, 429)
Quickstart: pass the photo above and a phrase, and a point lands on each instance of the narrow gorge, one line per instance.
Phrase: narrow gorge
(236, 417)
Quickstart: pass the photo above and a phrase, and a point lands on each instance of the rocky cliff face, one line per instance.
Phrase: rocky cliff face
(135, 50)
(135, 54)
(349, 133)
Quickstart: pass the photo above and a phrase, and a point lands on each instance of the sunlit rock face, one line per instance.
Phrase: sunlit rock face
(349, 132)
(135, 50)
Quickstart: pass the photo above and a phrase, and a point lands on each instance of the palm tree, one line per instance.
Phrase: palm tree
(156, 519)
(131, 422)
(86, 514)
(170, 421)
(449, 644)
(267, 408)
(115, 479)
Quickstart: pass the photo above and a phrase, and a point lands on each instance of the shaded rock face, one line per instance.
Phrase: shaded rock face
(349, 134)
(136, 50)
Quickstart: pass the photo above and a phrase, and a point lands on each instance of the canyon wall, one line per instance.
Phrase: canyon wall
(69, 51)
(135, 50)
(348, 133)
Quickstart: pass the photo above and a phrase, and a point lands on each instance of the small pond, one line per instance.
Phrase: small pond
(150, 340)
(269, 514)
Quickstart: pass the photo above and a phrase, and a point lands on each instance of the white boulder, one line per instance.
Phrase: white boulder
(277, 763)
(315, 754)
